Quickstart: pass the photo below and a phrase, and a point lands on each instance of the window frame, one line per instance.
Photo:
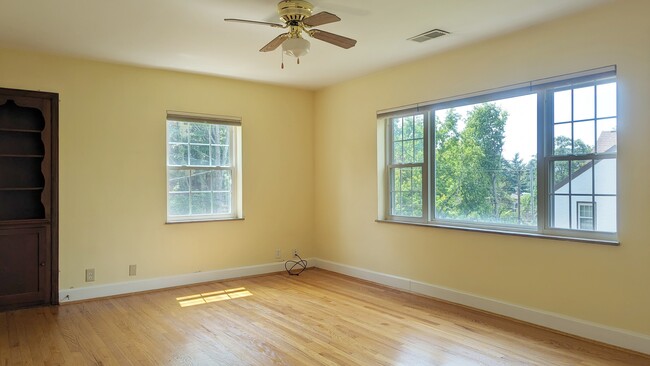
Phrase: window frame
(545, 156)
(592, 205)
(235, 166)
(391, 165)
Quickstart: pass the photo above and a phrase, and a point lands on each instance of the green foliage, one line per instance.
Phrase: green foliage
(561, 168)
(473, 181)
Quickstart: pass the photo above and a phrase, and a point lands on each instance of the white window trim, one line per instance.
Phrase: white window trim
(543, 228)
(423, 165)
(235, 167)
(579, 216)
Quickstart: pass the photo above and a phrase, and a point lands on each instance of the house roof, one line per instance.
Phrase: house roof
(606, 142)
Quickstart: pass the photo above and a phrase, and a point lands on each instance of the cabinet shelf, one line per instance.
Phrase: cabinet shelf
(28, 198)
(2, 129)
(21, 156)
(22, 189)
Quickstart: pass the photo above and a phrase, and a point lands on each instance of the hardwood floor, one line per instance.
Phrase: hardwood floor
(318, 318)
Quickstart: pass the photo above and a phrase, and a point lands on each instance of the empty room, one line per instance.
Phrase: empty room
(324, 182)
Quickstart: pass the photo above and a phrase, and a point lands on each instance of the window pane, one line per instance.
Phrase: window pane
(201, 203)
(584, 137)
(224, 155)
(200, 180)
(408, 148)
(397, 153)
(560, 171)
(486, 167)
(563, 139)
(397, 129)
(199, 155)
(605, 176)
(406, 192)
(585, 210)
(562, 106)
(177, 131)
(221, 202)
(605, 212)
(224, 135)
(606, 97)
(221, 181)
(179, 204)
(199, 133)
(581, 177)
(419, 126)
(407, 132)
(561, 212)
(214, 134)
(606, 136)
(408, 140)
(179, 181)
(577, 203)
(583, 103)
(178, 154)
(419, 151)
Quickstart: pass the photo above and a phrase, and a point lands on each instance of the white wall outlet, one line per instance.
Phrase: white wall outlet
(132, 269)
(294, 252)
(90, 275)
(278, 254)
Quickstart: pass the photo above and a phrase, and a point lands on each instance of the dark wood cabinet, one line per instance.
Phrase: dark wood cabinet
(28, 198)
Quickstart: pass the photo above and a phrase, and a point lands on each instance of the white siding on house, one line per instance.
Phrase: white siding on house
(565, 207)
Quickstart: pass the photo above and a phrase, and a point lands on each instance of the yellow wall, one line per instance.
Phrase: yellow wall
(310, 175)
(112, 168)
(602, 284)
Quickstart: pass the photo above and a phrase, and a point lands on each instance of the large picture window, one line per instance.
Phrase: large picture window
(537, 159)
(203, 168)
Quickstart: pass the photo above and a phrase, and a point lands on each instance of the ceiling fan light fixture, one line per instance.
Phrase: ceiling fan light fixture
(296, 47)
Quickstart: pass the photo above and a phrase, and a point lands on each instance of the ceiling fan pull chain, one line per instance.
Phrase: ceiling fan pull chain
(282, 53)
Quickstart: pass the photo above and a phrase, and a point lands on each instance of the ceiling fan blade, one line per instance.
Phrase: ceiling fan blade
(321, 18)
(274, 25)
(275, 43)
(332, 38)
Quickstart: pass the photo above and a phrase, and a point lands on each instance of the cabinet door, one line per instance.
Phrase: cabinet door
(24, 278)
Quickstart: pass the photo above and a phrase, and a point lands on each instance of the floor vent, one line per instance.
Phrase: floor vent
(429, 35)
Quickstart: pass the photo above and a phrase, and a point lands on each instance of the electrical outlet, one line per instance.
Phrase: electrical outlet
(278, 254)
(132, 270)
(90, 275)
(294, 252)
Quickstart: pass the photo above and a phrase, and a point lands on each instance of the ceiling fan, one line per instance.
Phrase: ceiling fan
(297, 17)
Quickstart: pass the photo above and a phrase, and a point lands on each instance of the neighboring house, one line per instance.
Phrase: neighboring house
(577, 204)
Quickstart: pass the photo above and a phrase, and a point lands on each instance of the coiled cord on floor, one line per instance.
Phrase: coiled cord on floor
(291, 265)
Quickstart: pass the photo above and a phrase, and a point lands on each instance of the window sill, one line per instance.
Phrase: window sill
(504, 232)
(203, 220)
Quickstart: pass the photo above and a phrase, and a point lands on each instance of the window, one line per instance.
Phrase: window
(585, 216)
(536, 159)
(203, 168)
(407, 165)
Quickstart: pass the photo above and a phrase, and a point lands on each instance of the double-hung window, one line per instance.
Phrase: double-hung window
(538, 159)
(203, 167)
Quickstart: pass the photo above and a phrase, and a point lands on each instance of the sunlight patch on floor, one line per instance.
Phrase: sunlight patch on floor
(209, 297)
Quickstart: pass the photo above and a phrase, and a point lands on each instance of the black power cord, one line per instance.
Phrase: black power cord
(290, 266)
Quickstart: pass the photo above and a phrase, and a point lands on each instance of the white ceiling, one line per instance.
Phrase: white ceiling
(190, 35)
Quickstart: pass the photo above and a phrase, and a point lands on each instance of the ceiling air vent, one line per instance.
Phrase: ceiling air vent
(429, 35)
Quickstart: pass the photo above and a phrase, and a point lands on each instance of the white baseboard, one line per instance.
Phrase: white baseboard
(121, 288)
(598, 332)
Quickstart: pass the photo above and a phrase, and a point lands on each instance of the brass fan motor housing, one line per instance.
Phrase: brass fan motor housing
(294, 11)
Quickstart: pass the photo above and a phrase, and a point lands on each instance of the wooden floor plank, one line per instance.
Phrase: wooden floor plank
(317, 318)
